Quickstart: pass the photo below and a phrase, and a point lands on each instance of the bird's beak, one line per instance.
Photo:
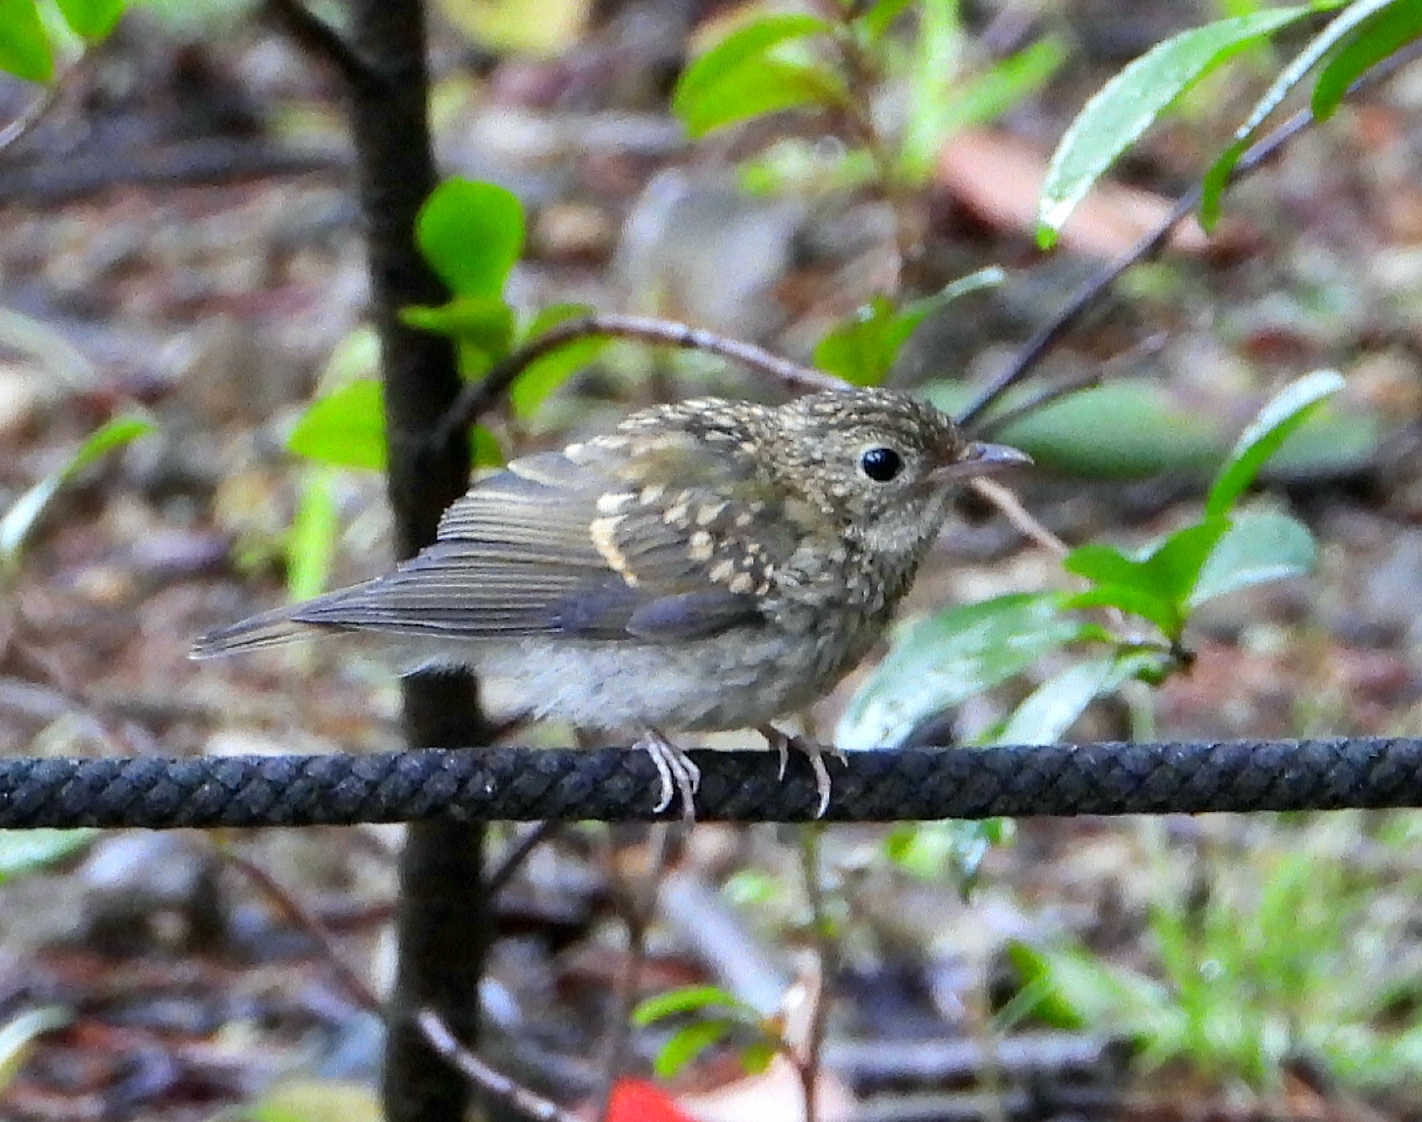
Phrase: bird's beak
(981, 459)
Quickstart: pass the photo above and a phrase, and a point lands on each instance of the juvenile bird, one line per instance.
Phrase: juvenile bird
(706, 565)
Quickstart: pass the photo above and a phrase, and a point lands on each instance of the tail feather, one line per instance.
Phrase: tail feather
(269, 629)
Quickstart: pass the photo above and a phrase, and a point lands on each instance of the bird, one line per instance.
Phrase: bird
(708, 564)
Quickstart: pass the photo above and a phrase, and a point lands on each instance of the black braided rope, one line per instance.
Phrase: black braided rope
(619, 784)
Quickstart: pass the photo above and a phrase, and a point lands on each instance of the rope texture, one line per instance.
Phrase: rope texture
(621, 784)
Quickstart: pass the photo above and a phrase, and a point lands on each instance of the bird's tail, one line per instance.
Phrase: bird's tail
(269, 629)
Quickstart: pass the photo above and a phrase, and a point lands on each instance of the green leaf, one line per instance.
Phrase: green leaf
(484, 449)
(1174, 566)
(756, 1056)
(1260, 546)
(1132, 599)
(686, 1000)
(1004, 85)
(311, 539)
(1124, 430)
(1340, 28)
(1156, 585)
(928, 850)
(1387, 32)
(1102, 564)
(1281, 416)
(744, 76)
(24, 45)
(942, 660)
(92, 19)
(19, 521)
(542, 377)
(1117, 116)
(17, 1034)
(482, 327)
(482, 321)
(687, 1043)
(862, 348)
(471, 234)
(28, 851)
(345, 428)
(1053, 707)
(876, 18)
(1085, 991)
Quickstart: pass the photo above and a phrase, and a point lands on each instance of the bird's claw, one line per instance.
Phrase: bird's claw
(814, 751)
(677, 773)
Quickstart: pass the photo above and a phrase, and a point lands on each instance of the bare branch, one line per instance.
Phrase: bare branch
(312, 926)
(481, 1075)
(481, 396)
(318, 37)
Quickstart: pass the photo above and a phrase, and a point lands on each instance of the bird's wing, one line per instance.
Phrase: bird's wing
(580, 544)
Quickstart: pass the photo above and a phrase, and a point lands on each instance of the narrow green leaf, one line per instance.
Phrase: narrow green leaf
(918, 310)
(942, 660)
(1129, 103)
(934, 65)
(18, 522)
(471, 234)
(1007, 83)
(688, 999)
(542, 377)
(1053, 707)
(311, 540)
(21, 1030)
(1385, 34)
(1261, 546)
(1281, 416)
(878, 16)
(29, 851)
(1340, 28)
(346, 428)
(24, 45)
(92, 19)
(863, 347)
(688, 1043)
(744, 76)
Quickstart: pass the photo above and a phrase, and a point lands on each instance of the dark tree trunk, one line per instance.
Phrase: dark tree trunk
(443, 922)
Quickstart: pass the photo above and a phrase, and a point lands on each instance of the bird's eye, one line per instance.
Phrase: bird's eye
(881, 464)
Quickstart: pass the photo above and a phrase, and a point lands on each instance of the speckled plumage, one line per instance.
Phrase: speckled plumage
(707, 565)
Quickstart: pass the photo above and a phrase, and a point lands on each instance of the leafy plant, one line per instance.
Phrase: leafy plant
(717, 1014)
(838, 65)
(1360, 35)
(19, 521)
(471, 233)
(1285, 955)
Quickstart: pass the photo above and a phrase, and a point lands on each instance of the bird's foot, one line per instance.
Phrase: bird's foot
(678, 774)
(782, 742)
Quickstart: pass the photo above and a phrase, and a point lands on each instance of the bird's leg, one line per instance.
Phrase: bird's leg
(782, 742)
(678, 774)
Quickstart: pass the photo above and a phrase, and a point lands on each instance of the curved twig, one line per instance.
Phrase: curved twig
(481, 396)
